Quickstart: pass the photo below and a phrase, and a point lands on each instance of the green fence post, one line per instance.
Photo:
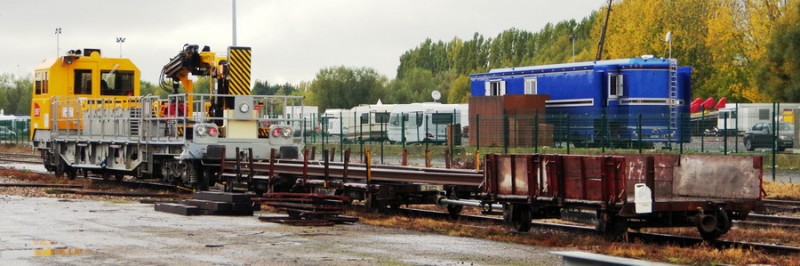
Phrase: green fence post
(403, 130)
(702, 136)
(478, 132)
(775, 125)
(639, 132)
(736, 129)
(505, 133)
(604, 133)
(536, 132)
(724, 135)
(568, 133)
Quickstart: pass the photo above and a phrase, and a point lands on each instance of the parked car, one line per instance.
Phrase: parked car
(762, 135)
(6, 133)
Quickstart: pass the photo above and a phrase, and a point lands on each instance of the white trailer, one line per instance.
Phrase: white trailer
(743, 116)
(309, 115)
(365, 122)
(425, 122)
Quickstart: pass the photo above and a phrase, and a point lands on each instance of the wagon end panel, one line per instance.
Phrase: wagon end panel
(717, 176)
(522, 176)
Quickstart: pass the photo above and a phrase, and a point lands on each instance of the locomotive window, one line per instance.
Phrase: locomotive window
(116, 83)
(41, 83)
(83, 81)
(530, 85)
(614, 85)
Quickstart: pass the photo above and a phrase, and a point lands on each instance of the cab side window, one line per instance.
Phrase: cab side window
(83, 81)
(116, 83)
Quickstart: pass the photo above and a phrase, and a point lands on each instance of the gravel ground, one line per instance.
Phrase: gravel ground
(55, 231)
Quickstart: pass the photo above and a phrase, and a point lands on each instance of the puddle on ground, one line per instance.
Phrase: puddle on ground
(41, 248)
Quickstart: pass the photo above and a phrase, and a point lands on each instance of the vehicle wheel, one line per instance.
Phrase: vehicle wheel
(748, 145)
(611, 228)
(375, 206)
(454, 210)
(520, 217)
(72, 173)
(714, 224)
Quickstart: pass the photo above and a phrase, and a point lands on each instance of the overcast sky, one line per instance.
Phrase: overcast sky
(291, 40)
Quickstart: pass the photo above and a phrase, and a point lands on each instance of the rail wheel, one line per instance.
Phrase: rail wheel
(71, 172)
(611, 227)
(454, 210)
(518, 216)
(374, 205)
(714, 224)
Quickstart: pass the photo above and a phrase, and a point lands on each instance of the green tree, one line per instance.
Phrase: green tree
(416, 86)
(780, 74)
(459, 91)
(344, 87)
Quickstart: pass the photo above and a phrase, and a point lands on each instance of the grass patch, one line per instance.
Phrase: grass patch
(782, 191)
(697, 255)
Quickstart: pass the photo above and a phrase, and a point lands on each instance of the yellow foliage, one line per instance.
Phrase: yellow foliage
(725, 41)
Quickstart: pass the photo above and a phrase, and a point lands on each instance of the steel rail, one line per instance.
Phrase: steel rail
(646, 237)
(379, 173)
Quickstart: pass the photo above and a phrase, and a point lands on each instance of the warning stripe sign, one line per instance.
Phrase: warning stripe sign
(239, 67)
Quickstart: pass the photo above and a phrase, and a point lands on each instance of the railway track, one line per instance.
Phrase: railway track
(768, 221)
(771, 205)
(27, 158)
(632, 236)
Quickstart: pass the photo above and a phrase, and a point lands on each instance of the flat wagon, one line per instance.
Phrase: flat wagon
(626, 191)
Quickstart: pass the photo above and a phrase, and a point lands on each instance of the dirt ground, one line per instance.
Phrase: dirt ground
(58, 231)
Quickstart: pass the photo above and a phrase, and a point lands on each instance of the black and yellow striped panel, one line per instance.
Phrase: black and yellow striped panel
(263, 133)
(239, 70)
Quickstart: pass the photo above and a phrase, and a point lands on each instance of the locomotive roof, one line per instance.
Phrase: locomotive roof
(627, 62)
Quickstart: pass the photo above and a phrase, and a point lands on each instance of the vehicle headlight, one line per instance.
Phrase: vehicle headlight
(201, 131)
(277, 132)
(213, 131)
(287, 132)
(783, 137)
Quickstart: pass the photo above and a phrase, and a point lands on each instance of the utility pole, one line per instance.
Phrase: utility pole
(603, 34)
(58, 49)
(572, 39)
(120, 40)
(234, 22)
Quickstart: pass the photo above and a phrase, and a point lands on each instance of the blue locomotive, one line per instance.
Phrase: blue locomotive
(611, 102)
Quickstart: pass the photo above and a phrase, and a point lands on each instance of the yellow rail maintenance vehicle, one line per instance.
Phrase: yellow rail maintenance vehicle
(105, 127)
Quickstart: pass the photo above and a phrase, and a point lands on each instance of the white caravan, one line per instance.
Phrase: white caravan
(749, 114)
(425, 122)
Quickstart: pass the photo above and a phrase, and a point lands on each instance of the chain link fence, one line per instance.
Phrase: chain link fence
(601, 131)
(16, 130)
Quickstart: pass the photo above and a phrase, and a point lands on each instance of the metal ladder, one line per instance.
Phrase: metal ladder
(135, 121)
(674, 101)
